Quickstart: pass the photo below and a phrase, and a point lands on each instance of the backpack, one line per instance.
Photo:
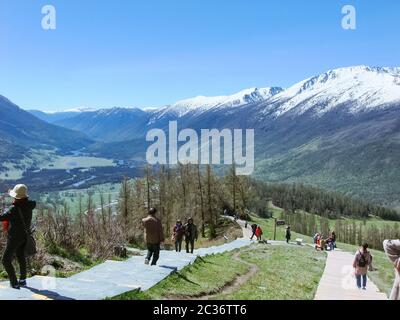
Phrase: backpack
(362, 261)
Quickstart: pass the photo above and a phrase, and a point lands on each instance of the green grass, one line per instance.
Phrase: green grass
(383, 277)
(267, 225)
(48, 159)
(205, 276)
(71, 197)
(285, 272)
(79, 256)
(71, 162)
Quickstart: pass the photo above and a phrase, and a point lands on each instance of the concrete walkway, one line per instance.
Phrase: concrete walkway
(111, 278)
(339, 283)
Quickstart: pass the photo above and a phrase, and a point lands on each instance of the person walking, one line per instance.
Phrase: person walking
(361, 263)
(18, 219)
(177, 235)
(154, 236)
(190, 235)
(253, 229)
(392, 250)
(259, 233)
(288, 234)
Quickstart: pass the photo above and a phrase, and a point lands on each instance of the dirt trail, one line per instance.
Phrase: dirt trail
(238, 282)
(229, 287)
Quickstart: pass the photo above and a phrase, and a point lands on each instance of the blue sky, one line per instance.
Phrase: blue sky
(154, 52)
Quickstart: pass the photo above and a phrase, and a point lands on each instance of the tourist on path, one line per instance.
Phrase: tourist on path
(177, 235)
(288, 234)
(361, 263)
(190, 235)
(392, 249)
(17, 220)
(253, 229)
(259, 233)
(154, 236)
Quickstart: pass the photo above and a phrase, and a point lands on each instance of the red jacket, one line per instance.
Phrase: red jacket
(6, 225)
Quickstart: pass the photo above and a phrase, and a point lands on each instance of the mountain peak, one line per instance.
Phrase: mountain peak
(360, 88)
(203, 103)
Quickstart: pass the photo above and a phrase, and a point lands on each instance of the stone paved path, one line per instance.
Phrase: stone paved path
(338, 282)
(111, 278)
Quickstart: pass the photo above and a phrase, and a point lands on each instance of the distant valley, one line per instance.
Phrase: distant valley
(339, 130)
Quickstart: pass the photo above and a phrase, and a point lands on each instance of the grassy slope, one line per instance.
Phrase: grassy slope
(205, 276)
(283, 274)
(383, 277)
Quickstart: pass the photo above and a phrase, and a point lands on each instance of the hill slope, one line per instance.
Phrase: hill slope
(20, 132)
(339, 130)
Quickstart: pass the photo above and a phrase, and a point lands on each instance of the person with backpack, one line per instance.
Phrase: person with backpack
(288, 234)
(259, 233)
(177, 235)
(191, 235)
(392, 250)
(361, 263)
(18, 220)
(154, 236)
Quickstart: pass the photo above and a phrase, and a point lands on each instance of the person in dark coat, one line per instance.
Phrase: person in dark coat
(18, 220)
(288, 234)
(333, 235)
(177, 235)
(154, 237)
(253, 229)
(190, 235)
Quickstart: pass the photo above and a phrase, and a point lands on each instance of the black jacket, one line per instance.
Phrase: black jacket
(190, 232)
(16, 229)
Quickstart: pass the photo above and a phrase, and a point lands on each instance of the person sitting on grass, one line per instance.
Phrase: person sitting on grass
(18, 220)
(329, 244)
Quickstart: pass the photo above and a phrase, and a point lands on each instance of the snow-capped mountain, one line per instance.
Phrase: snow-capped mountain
(359, 89)
(201, 104)
(338, 130)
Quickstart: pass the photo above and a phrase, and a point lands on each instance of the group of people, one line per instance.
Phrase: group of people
(187, 231)
(155, 236)
(17, 223)
(322, 243)
(256, 232)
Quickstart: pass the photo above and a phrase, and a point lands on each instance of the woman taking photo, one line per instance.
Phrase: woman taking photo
(18, 219)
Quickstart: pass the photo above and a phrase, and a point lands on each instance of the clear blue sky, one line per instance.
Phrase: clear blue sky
(153, 52)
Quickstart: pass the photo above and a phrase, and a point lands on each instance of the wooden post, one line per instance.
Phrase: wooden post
(275, 221)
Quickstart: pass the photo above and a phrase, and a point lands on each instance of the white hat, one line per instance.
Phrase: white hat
(19, 192)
